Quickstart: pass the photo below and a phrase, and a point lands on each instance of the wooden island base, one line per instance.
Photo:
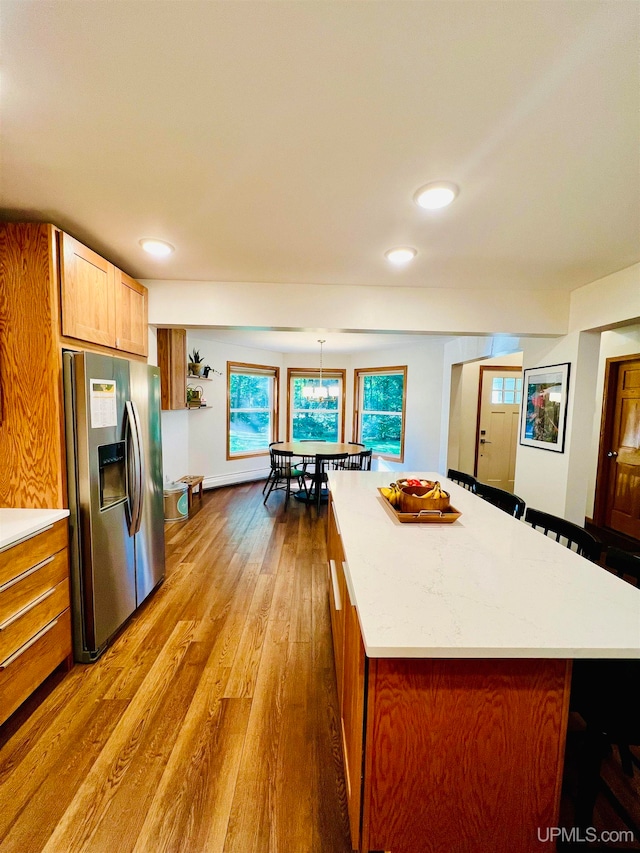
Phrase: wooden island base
(463, 755)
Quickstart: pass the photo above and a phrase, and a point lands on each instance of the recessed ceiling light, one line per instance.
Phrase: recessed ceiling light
(156, 247)
(400, 255)
(436, 194)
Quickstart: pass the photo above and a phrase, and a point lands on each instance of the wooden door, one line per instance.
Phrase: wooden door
(498, 418)
(622, 456)
(87, 294)
(131, 314)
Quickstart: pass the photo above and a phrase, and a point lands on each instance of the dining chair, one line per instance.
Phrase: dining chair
(271, 470)
(605, 694)
(283, 472)
(468, 481)
(501, 498)
(623, 563)
(359, 462)
(567, 533)
(326, 463)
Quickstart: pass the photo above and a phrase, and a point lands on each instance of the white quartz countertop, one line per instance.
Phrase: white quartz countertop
(18, 524)
(485, 586)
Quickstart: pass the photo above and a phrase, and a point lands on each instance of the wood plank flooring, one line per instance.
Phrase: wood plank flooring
(211, 722)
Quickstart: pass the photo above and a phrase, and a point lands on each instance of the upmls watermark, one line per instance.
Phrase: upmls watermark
(581, 835)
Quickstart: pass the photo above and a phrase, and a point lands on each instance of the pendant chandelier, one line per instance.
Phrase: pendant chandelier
(316, 390)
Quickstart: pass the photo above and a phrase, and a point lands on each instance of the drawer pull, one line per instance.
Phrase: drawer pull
(334, 584)
(28, 645)
(26, 574)
(28, 536)
(27, 608)
(335, 518)
(347, 579)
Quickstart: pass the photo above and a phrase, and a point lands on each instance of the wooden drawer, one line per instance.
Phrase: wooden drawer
(20, 677)
(26, 623)
(16, 560)
(19, 592)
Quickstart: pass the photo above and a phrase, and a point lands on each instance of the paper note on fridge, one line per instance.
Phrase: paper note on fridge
(104, 412)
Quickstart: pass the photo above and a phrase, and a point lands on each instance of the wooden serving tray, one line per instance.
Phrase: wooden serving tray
(426, 516)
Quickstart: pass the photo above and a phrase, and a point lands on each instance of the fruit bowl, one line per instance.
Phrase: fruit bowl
(413, 499)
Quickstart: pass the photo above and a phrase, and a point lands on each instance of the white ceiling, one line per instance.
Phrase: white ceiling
(283, 141)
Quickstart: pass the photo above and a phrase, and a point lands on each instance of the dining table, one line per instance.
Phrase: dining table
(320, 451)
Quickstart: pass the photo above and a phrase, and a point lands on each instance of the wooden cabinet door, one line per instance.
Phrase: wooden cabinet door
(172, 361)
(353, 702)
(87, 294)
(337, 586)
(131, 314)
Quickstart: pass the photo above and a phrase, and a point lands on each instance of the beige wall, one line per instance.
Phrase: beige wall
(403, 309)
(607, 302)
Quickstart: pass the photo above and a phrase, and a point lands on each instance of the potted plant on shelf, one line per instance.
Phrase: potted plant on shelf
(195, 363)
(194, 397)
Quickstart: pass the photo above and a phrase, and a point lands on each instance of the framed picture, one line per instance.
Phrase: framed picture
(543, 416)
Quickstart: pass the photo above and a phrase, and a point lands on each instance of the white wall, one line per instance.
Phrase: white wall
(362, 309)
(557, 482)
(607, 302)
(423, 422)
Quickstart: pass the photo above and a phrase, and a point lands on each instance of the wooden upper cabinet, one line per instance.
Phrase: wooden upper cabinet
(172, 361)
(87, 294)
(131, 314)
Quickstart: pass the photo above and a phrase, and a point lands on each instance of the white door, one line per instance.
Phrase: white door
(500, 398)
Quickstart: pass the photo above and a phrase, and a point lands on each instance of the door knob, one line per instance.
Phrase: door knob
(612, 454)
(484, 441)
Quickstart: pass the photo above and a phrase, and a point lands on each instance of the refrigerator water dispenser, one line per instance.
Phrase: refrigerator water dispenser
(113, 474)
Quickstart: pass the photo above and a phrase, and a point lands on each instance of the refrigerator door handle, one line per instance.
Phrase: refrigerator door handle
(135, 489)
(141, 468)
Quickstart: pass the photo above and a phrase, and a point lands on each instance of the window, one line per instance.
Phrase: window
(252, 393)
(379, 410)
(313, 417)
(506, 389)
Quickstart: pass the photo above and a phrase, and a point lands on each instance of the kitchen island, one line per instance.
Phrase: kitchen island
(453, 646)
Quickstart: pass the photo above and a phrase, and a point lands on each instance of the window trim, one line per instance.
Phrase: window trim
(358, 373)
(256, 370)
(332, 373)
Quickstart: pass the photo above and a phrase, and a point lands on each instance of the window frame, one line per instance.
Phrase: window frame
(256, 370)
(314, 373)
(358, 386)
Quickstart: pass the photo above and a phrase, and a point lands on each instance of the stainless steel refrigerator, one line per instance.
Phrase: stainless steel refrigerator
(114, 469)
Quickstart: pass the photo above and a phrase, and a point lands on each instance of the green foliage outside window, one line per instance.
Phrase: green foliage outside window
(381, 413)
(250, 403)
(312, 419)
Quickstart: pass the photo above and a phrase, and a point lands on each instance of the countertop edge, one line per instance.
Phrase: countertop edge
(18, 524)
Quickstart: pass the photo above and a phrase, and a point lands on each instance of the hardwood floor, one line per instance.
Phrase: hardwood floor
(211, 722)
